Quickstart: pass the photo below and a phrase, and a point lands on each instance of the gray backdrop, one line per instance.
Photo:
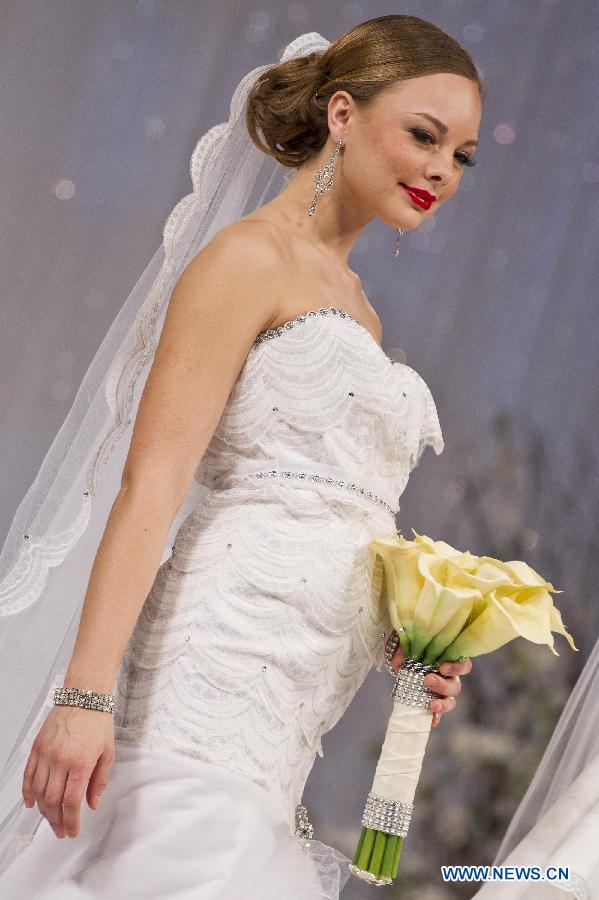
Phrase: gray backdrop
(494, 302)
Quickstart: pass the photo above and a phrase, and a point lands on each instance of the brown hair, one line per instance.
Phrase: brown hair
(286, 120)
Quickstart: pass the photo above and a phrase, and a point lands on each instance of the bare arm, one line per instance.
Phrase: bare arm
(217, 307)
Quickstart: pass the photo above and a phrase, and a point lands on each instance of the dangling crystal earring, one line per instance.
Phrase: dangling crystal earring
(323, 179)
(400, 233)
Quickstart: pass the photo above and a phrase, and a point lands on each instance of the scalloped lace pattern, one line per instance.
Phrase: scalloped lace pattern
(262, 625)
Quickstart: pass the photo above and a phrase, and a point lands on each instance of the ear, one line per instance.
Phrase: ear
(341, 111)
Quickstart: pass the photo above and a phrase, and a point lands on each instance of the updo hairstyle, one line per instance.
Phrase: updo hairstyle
(286, 120)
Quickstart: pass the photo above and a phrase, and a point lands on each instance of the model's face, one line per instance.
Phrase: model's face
(390, 142)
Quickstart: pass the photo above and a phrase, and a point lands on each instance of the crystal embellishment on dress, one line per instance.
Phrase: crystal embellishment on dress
(304, 829)
(270, 333)
(301, 318)
(349, 486)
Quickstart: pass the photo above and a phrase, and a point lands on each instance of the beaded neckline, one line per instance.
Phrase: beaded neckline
(312, 314)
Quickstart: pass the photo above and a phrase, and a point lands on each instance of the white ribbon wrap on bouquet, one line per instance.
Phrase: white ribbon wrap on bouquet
(390, 802)
(400, 763)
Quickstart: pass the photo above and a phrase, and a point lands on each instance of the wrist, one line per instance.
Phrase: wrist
(88, 679)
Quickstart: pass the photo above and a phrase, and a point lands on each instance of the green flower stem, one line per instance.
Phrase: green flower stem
(405, 644)
(389, 856)
(377, 853)
(359, 847)
(366, 851)
(397, 855)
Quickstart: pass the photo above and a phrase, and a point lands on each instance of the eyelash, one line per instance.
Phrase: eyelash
(464, 158)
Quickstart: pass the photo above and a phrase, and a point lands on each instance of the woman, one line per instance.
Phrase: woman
(269, 389)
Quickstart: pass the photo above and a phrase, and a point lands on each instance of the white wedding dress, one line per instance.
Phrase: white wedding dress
(255, 636)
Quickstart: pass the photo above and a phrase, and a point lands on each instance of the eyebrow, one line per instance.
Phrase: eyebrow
(442, 126)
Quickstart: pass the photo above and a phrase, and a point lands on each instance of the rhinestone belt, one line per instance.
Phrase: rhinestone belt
(313, 477)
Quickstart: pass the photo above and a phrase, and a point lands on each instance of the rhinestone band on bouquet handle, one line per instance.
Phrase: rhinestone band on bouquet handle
(444, 605)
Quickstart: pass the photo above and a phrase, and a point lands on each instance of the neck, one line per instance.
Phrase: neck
(336, 224)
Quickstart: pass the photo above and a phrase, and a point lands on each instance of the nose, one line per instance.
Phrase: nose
(438, 179)
(440, 171)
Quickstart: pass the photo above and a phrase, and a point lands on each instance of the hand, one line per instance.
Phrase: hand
(71, 755)
(449, 685)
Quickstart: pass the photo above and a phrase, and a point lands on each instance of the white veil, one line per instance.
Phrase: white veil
(557, 821)
(48, 554)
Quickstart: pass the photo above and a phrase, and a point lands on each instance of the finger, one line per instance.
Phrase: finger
(40, 780)
(436, 719)
(53, 800)
(397, 660)
(456, 668)
(99, 779)
(28, 776)
(71, 803)
(443, 706)
(448, 687)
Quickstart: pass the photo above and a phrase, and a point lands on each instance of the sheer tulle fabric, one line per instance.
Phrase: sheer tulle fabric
(557, 821)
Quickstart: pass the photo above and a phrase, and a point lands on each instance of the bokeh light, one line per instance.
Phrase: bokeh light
(64, 189)
(590, 173)
(504, 133)
(146, 8)
(473, 33)
(61, 390)
(259, 26)
(154, 128)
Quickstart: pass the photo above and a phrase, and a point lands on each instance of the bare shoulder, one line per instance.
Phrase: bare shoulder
(247, 240)
(217, 307)
(238, 264)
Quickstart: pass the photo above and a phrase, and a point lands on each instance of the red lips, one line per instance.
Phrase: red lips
(420, 192)
(419, 196)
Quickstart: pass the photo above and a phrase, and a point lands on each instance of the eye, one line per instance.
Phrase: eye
(466, 159)
(422, 136)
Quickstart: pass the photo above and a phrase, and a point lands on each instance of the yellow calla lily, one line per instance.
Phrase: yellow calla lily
(518, 612)
(447, 604)
(441, 596)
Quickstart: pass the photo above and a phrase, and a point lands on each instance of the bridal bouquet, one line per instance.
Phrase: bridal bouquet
(444, 605)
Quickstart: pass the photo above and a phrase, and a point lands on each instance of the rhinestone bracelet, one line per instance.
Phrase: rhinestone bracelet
(64, 696)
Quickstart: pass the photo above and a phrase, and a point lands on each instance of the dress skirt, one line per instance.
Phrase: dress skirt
(170, 827)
